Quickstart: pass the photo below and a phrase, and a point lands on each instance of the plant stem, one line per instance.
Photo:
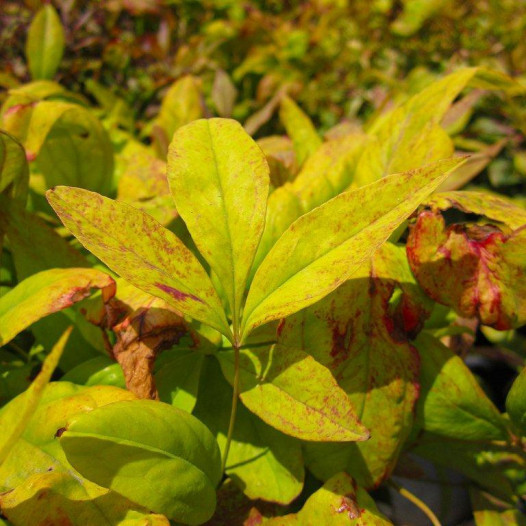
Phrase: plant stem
(416, 501)
(235, 396)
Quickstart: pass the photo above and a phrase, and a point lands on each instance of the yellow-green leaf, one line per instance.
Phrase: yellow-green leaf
(140, 250)
(45, 43)
(152, 453)
(338, 503)
(180, 105)
(46, 292)
(351, 333)
(323, 248)
(292, 392)
(38, 467)
(220, 179)
(14, 173)
(300, 129)
(16, 417)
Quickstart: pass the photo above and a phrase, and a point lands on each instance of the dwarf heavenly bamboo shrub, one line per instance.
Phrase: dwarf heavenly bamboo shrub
(250, 312)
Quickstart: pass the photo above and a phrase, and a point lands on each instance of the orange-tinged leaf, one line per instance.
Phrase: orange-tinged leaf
(47, 292)
(478, 270)
(323, 248)
(143, 252)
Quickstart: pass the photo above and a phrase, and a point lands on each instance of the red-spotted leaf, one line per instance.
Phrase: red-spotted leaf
(142, 251)
(292, 392)
(359, 337)
(47, 292)
(323, 248)
(478, 270)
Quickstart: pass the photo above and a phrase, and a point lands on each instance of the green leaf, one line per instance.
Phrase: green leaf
(338, 503)
(352, 333)
(37, 467)
(490, 511)
(452, 403)
(101, 370)
(292, 392)
(35, 247)
(16, 417)
(516, 402)
(219, 179)
(323, 248)
(45, 43)
(140, 250)
(263, 462)
(150, 452)
(485, 464)
(14, 173)
(46, 292)
(299, 128)
(177, 378)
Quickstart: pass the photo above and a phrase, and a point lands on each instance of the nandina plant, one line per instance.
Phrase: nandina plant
(284, 330)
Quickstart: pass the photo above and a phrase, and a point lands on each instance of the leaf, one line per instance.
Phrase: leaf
(355, 335)
(14, 173)
(178, 377)
(485, 464)
(46, 292)
(68, 142)
(15, 421)
(415, 13)
(478, 270)
(283, 208)
(150, 452)
(475, 164)
(101, 370)
(139, 249)
(264, 463)
(37, 467)
(338, 503)
(145, 326)
(299, 128)
(322, 249)
(280, 157)
(490, 511)
(71, 146)
(452, 403)
(328, 171)
(410, 136)
(516, 402)
(224, 93)
(219, 181)
(181, 105)
(36, 247)
(45, 43)
(58, 498)
(293, 393)
(492, 206)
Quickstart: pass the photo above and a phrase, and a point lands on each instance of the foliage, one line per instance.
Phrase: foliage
(234, 328)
